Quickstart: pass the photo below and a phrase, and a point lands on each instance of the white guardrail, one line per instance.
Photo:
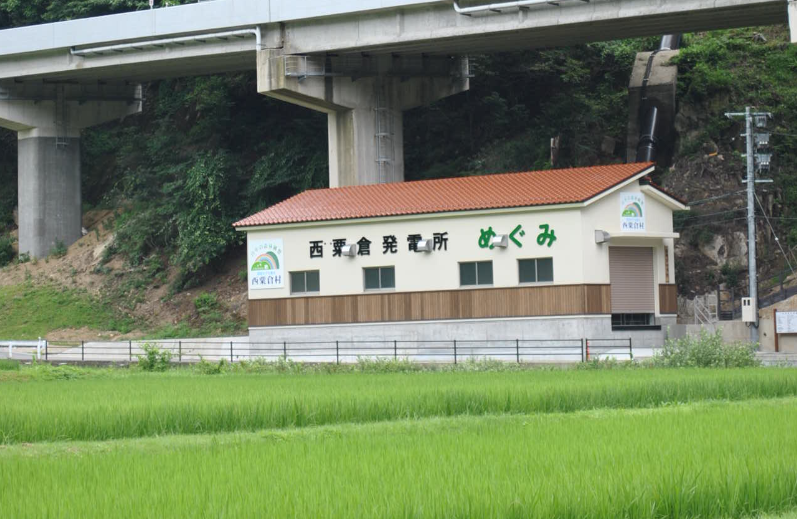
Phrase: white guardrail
(10, 346)
(235, 349)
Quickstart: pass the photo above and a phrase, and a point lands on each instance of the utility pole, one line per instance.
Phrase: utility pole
(755, 142)
(752, 270)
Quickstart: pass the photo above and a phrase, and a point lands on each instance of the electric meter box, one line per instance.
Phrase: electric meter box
(748, 310)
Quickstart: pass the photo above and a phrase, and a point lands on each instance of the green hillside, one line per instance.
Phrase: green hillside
(210, 150)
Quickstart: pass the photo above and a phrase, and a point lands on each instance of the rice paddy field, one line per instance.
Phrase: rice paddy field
(643, 443)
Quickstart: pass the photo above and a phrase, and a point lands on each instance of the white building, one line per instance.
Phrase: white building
(561, 254)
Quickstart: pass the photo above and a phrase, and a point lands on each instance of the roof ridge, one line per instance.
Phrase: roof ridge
(474, 192)
(467, 177)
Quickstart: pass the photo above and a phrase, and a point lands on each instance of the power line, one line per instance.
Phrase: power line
(783, 218)
(718, 213)
(720, 197)
(712, 223)
(777, 240)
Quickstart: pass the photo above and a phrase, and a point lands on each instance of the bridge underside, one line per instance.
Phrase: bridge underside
(430, 30)
(439, 31)
(363, 69)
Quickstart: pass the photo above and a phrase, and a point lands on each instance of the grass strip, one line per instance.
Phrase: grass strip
(710, 460)
(157, 404)
(30, 311)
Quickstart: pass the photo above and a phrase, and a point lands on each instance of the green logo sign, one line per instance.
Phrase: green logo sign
(546, 237)
(267, 261)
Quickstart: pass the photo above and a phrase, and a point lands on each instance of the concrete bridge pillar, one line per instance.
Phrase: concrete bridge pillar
(365, 99)
(48, 118)
(793, 20)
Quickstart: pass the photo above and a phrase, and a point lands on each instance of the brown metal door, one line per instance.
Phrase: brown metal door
(631, 272)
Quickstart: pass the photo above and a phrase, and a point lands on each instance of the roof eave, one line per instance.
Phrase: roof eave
(412, 216)
(664, 197)
(628, 181)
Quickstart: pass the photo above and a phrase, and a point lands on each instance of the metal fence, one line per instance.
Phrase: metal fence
(339, 351)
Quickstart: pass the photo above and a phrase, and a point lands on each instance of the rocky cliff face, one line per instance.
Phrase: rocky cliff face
(721, 72)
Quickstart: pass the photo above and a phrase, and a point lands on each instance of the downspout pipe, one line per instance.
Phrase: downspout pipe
(197, 38)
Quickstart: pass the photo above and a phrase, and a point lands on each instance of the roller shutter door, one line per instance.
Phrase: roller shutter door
(631, 272)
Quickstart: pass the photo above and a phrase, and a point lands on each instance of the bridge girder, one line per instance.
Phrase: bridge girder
(433, 29)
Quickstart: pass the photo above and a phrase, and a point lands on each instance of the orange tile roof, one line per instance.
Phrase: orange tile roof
(535, 188)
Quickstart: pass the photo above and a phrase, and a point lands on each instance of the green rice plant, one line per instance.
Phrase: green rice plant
(711, 460)
(211, 368)
(9, 365)
(181, 402)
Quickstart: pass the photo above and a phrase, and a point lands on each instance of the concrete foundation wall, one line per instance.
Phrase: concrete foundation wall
(435, 339)
(732, 331)
(49, 194)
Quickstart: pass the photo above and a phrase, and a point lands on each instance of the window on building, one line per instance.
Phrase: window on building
(305, 282)
(631, 320)
(380, 278)
(476, 273)
(539, 270)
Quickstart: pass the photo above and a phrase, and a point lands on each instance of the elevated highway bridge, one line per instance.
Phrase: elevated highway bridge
(363, 62)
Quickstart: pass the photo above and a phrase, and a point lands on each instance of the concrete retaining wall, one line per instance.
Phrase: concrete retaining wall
(433, 340)
(732, 331)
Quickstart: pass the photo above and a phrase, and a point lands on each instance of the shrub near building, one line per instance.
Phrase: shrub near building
(706, 350)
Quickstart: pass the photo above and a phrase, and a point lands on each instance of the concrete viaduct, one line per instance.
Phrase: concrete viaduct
(362, 62)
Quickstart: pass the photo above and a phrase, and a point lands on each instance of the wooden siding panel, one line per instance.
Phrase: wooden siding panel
(598, 299)
(668, 299)
(527, 301)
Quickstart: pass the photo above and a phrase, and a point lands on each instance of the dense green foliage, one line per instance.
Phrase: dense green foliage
(15, 13)
(714, 461)
(725, 71)
(154, 359)
(8, 178)
(517, 102)
(147, 404)
(213, 151)
(707, 350)
(210, 150)
(6, 250)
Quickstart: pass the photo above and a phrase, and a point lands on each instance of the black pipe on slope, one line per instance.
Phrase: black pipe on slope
(649, 129)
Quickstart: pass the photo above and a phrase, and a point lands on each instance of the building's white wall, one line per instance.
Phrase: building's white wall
(437, 270)
(576, 257)
(604, 214)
